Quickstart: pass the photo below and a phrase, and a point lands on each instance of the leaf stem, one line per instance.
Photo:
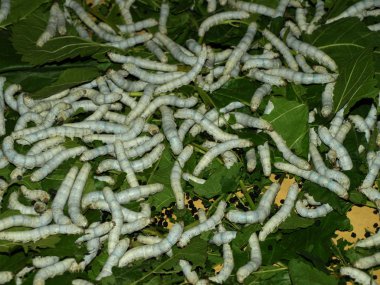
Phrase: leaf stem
(246, 194)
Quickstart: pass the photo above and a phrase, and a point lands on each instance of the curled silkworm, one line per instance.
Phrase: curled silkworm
(312, 213)
(264, 154)
(358, 275)
(35, 195)
(229, 157)
(19, 277)
(191, 276)
(9, 96)
(255, 259)
(257, 97)
(294, 29)
(282, 214)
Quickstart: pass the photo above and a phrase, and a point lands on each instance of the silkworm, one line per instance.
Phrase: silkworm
(374, 27)
(360, 125)
(168, 100)
(87, 106)
(81, 282)
(15, 204)
(282, 214)
(355, 9)
(300, 77)
(218, 150)
(214, 86)
(219, 18)
(96, 231)
(301, 19)
(281, 7)
(21, 107)
(5, 276)
(204, 226)
(228, 265)
(106, 179)
(319, 13)
(295, 30)
(74, 200)
(113, 258)
(176, 173)
(40, 233)
(253, 8)
(125, 165)
(61, 197)
(371, 117)
(185, 78)
(314, 177)
(92, 247)
(189, 123)
(229, 157)
(368, 261)
(261, 63)
(255, 259)
(189, 177)
(9, 96)
(53, 163)
(266, 78)
(250, 156)
(99, 113)
(191, 276)
(124, 7)
(327, 99)
(51, 27)
(301, 61)
(321, 168)
(336, 122)
(240, 49)
(358, 275)
(4, 11)
(371, 241)
(135, 226)
(264, 154)
(373, 171)
(153, 250)
(312, 213)
(164, 14)
(282, 48)
(142, 62)
(53, 270)
(131, 42)
(169, 128)
(35, 195)
(343, 156)
(138, 26)
(117, 218)
(156, 50)
(19, 277)
(262, 211)
(311, 51)
(44, 261)
(223, 237)
(340, 137)
(26, 221)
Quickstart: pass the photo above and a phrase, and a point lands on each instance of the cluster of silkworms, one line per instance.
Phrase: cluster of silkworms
(131, 142)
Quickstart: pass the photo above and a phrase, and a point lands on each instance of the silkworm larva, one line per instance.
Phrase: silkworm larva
(96, 231)
(301, 19)
(53, 163)
(81, 282)
(358, 275)
(266, 78)
(262, 211)
(368, 261)
(303, 64)
(154, 250)
(189, 123)
(164, 14)
(61, 197)
(185, 78)
(19, 277)
(327, 99)
(21, 107)
(4, 12)
(156, 50)
(229, 157)
(223, 237)
(124, 7)
(55, 269)
(15, 204)
(189, 177)
(176, 173)
(253, 8)
(113, 258)
(319, 13)
(281, 7)
(342, 154)
(5, 276)
(125, 165)
(287, 153)
(35, 195)
(74, 200)
(264, 154)
(152, 240)
(103, 88)
(312, 213)
(51, 27)
(138, 26)
(257, 97)
(219, 18)
(360, 125)
(131, 42)
(300, 77)
(106, 179)
(26, 221)
(355, 10)
(86, 106)
(250, 156)
(44, 261)
(92, 247)
(228, 265)
(168, 100)
(282, 48)
(40, 233)
(153, 78)
(371, 117)
(204, 226)
(99, 113)
(261, 63)
(282, 214)
(191, 276)
(336, 122)
(169, 128)
(371, 241)
(218, 150)
(295, 30)
(373, 171)
(142, 62)
(255, 259)
(314, 177)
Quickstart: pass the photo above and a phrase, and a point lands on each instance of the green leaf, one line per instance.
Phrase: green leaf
(295, 222)
(284, 117)
(302, 273)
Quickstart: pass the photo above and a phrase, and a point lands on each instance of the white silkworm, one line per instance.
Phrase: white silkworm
(113, 258)
(74, 200)
(250, 156)
(287, 153)
(96, 231)
(264, 154)
(218, 150)
(164, 14)
(40, 233)
(312, 213)
(185, 78)
(153, 250)
(301, 19)
(55, 269)
(131, 42)
(371, 241)
(281, 7)
(154, 78)
(360, 125)
(368, 261)
(19, 277)
(262, 211)
(51, 27)
(229, 158)
(261, 63)
(371, 117)
(314, 177)
(53, 163)
(99, 113)
(81, 282)
(125, 165)
(228, 265)
(327, 99)
(189, 177)
(87, 106)
(176, 173)
(4, 9)
(15, 204)
(35, 195)
(104, 178)
(255, 259)
(282, 214)
(92, 247)
(266, 78)
(26, 221)
(21, 107)
(61, 197)
(156, 50)
(219, 18)
(9, 96)
(169, 128)
(135, 226)
(342, 154)
(374, 27)
(294, 29)
(301, 61)
(300, 77)
(191, 276)
(207, 225)
(358, 275)
(240, 49)
(253, 8)
(44, 261)
(355, 10)
(336, 122)
(142, 62)
(189, 123)
(24, 119)
(124, 7)
(223, 237)
(319, 13)
(321, 168)
(311, 51)
(282, 48)
(258, 96)
(138, 26)
(5, 276)
(373, 171)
